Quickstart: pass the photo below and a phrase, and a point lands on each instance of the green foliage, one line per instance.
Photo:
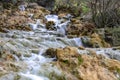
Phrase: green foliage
(105, 13)
(65, 61)
(85, 8)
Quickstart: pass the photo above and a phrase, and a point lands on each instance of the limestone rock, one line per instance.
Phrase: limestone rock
(14, 19)
(51, 52)
(50, 25)
(76, 27)
(95, 41)
(86, 67)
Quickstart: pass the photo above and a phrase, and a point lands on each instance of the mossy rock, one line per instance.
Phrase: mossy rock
(54, 76)
(71, 6)
(80, 60)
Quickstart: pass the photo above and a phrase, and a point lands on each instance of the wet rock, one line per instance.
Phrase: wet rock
(14, 22)
(9, 76)
(51, 52)
(81, 48)
(113, 66)
(9, 67)
(86, 67)
(62, 15)
(35, 51)
(11, 50)
(3, 30)
(50, 25)
(66, 53)
(116, 48)
(15, 19)
(96, 68)
(68, 56)
(76, 27)
(94, 41)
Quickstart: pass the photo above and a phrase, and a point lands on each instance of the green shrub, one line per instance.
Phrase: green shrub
(105, 13)
(85, 8)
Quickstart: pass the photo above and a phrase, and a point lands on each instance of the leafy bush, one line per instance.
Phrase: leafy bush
(85, 8)
(105, 13)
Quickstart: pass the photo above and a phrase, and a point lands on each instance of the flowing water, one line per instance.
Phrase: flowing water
(29, 47)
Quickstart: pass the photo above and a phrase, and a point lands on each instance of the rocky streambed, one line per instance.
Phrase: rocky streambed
(54, 49)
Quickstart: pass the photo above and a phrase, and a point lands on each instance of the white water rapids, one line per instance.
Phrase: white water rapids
(31, 45)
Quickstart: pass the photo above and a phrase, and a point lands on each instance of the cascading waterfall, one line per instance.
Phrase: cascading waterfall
(51, 42)
(36, 25)
(78, 42)
(38, 66)
(53, 18)
(32, 45)
(51, 50)
(61, 27)
(35, 62)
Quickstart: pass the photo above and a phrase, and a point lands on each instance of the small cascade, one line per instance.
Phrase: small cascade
(16, 57)
(61, 31)
(30, 15)
(37, 61)
(22, 7)
(33, 26)
(109, 53)
(53, 18)
(61, 27)
(78, 41)
(33, 77)
(36, 25)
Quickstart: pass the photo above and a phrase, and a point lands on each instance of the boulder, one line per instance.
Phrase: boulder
(76, 27)
(95, 41)
(50, 25)
(68, 55)
(15, 19)
(91, 66)
(51, 52)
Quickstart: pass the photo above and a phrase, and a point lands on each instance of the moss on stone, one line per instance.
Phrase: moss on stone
(118, 70)
(54, 76)
(80, 59)
(65, 61)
